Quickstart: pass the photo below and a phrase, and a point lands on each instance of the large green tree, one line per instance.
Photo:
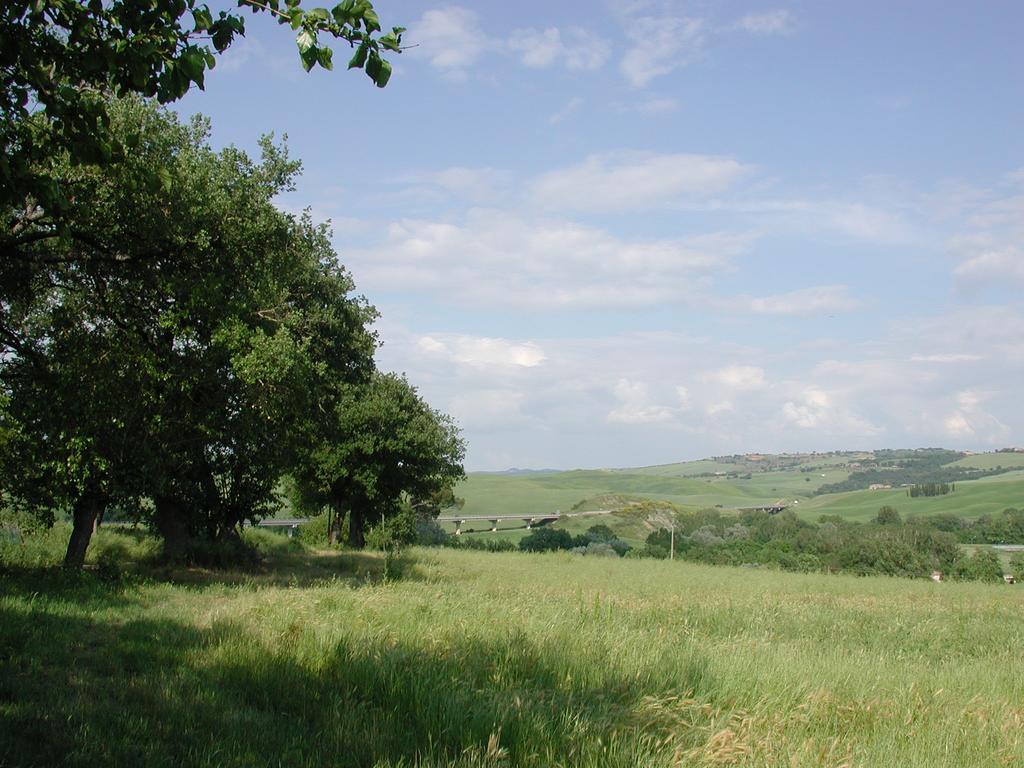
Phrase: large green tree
(378, 444)
(168, 350)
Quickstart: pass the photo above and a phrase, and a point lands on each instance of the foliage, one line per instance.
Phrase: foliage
(886, 546)
(378, 443)
(187, 378)
(1006, 527)
(429, 533)
(929, 470)
(480, 544)
(888, 516)
(1017, 566)
(397, 531)
(314, 532)
(982, 565)
(61, 59)
(931, 489)
(546, 539)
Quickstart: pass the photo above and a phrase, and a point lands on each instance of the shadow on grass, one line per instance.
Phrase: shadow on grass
(113, 687)
(295, 569)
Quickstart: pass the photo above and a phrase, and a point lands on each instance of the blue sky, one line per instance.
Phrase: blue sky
(617, 234)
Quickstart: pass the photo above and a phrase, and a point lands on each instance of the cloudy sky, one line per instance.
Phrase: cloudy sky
(626, 233)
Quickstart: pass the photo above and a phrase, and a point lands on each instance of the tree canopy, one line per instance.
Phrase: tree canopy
(186, 348)
(60, 60)
(377, 444)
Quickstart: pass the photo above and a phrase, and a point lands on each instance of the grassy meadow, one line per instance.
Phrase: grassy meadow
(547, 492)
(456, 658)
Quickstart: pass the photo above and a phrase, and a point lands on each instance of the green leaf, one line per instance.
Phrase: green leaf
(378, 69)
(306, 39)
(203, 19)
(391, 42)
(359, 59)
(370, 20)
(324, 58)
(309, 57)
(296, 18)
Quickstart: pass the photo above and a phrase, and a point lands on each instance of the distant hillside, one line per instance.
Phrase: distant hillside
(810, 484)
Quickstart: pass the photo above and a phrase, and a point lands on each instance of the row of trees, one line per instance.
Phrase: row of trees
(923, 467)
(179, 344)
(887, 545)
(931, 489)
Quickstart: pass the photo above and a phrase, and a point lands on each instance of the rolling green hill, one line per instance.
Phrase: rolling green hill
(992, 460)
(735, 483)
(971, 498)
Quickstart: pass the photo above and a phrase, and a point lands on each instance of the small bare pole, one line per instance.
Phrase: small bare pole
(672, 547)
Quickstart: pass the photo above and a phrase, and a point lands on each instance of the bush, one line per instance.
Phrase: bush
(706, 536)
(545, 540)
(393, 532)
(597, 549)
(888, 516)
(265, 542)
(483, 545)
(429, 533)
(983, 565)
(230, 552)
(1017, 567)
(314, 533)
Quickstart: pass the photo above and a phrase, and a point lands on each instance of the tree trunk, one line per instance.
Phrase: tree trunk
(173, 528)
(86, 510)
(336, 516)
(355, 528)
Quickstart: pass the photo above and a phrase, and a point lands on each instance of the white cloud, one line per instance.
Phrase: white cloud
(537, 49)
(818, 410)
(777, 22)
(487, 407)
(660, 45)
(497, 259)
(483, 352)
(585, 51)
(945, 358)
(722, 406)
(819, 299)
(631, 180)
(970, 421)
(992, 265)
(474, 183)
(577, 49)
(567, 109)
(450, 38)
(989, 243)
(738, 377)
(242, 51)
(657, 106)
(864, 221)
(636, 408)
(623, 400)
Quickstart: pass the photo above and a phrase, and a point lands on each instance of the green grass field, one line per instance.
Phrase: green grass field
(475, 659)
(544, 493)
(992, 460)
(970, 499)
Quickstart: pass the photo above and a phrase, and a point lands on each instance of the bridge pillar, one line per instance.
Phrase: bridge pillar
(530, 522)
(458, 527)
(494, 525)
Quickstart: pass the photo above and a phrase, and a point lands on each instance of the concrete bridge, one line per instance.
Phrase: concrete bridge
(530, 519)
(291, 525)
